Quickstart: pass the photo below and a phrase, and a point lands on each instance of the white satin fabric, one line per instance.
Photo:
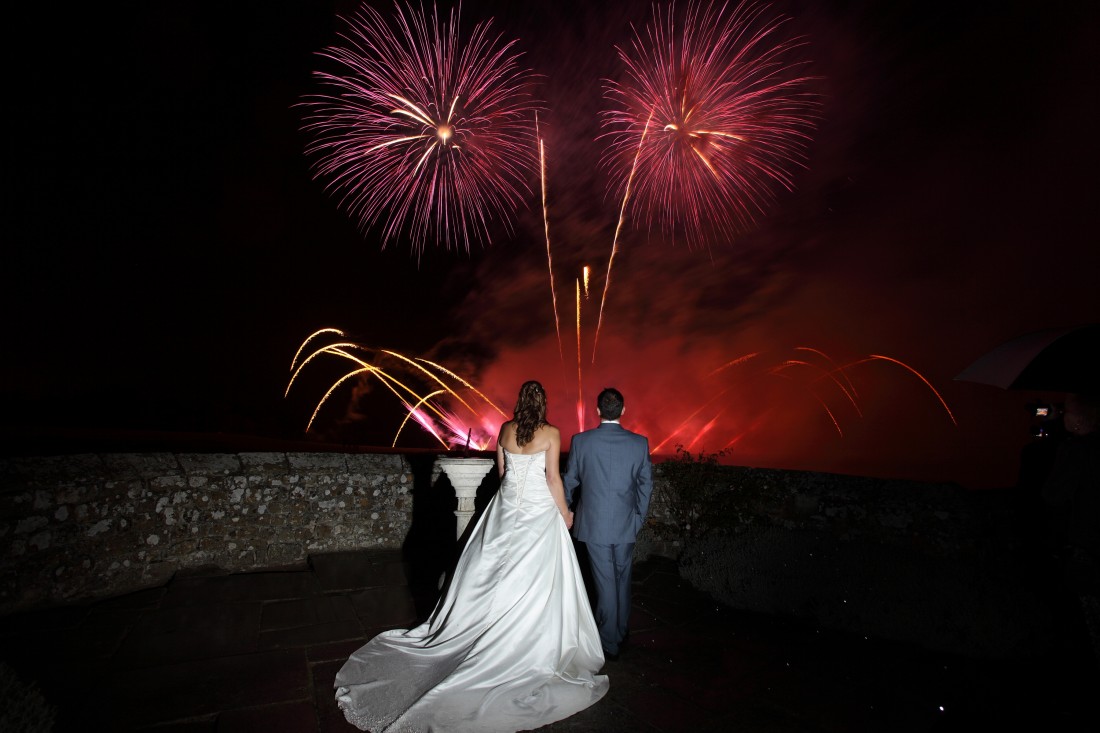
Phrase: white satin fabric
(511, 646)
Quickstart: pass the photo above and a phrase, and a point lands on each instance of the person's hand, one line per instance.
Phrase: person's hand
(568, 517)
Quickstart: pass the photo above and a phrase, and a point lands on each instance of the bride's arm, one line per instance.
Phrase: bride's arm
(500, 451)
(553, 476)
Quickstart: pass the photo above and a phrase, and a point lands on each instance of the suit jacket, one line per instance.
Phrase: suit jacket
(612, 467)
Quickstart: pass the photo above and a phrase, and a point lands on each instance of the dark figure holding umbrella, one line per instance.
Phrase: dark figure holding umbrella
(1071, 495)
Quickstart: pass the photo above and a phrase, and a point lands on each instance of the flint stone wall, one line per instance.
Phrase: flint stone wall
(932, 564)
(96, 525)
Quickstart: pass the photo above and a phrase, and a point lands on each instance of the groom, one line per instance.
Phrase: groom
(612, 467)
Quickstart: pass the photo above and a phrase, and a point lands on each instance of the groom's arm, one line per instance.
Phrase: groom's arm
(571, 479)
(644, 483)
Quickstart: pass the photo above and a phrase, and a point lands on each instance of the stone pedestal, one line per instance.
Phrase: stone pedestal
(465, 475)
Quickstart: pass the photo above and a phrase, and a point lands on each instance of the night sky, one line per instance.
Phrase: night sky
(167, 249)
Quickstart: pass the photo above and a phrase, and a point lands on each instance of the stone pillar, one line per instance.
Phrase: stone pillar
(465, 475)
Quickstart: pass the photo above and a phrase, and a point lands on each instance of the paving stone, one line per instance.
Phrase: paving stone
(294, 717)
(336, 571)
(669, 610)
(305, 612)
(206, 724)
(321, 633)
(660, 709)
(335, 651)
(385, 607)
(147, 598)
(186, 632)
(177, 692)
(240, 587)
(58, 617)
(215, 653)
(606, 716)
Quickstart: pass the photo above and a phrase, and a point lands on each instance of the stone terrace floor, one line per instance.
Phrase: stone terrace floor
(259, 651)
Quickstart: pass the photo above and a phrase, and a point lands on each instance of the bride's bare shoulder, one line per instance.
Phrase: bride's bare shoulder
(507, 434)
(546, 435)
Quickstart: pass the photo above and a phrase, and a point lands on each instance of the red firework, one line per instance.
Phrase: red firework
(422, 131)
(727, 115)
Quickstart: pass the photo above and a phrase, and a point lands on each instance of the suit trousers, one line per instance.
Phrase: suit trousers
(611, 566)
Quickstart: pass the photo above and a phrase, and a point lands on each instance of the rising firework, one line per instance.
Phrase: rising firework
(728, 117)
(420, 131)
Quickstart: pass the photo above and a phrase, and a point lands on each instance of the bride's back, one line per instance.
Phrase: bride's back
(540, 441)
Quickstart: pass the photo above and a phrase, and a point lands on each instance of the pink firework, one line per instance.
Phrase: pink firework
(728, 118)
(423, 132)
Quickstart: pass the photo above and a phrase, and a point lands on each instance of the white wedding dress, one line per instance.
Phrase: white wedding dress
(511, 646)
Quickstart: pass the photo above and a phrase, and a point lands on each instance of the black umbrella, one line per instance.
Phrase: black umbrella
(1051, 360)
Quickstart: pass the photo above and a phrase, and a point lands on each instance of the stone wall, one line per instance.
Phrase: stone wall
(92, 525)
(928, 563)
(932, 564)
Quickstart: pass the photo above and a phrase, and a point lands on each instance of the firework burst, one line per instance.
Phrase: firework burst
(727, 116)
(420, 131)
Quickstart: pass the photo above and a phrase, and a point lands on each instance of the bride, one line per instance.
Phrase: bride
(512, 645)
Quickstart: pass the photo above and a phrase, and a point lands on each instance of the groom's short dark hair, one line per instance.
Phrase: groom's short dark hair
(610, 403)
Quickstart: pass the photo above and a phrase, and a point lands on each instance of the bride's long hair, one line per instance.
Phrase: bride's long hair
(530, 413)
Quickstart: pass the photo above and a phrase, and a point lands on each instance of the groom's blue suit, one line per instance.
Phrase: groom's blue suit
(612, 467)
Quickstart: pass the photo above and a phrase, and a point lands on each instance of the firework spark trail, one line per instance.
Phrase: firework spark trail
(703, 431)
(873, 357)
(830, 413)
(687, 421)
(330, 349)
(421, 129)
(747, 431)
(731, 118)
(387, 380)
(546, 229)
(615, 240)
(580, 367)
(824, 374)
(415, 409)
(735, 362)
(309, 338)
(465, 384)
(587, 274)
(431, 376)
(394, 385)
(833, 364)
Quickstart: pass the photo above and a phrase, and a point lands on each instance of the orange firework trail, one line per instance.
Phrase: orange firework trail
(417, 406)
(615, 240)
(309, 338)
(920, 376)
(413, 411)
(546, 228)
(800, 362)
(465, 384)
(735, 362)
(587, 273)
(832, 363)
(330, 349)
